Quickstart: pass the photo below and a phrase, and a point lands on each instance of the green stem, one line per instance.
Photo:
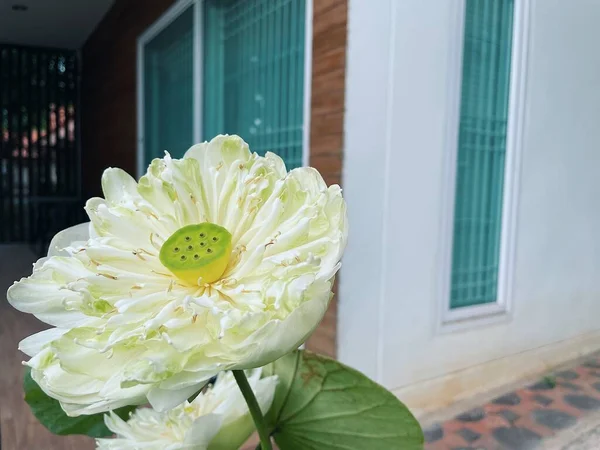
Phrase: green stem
(259, 421)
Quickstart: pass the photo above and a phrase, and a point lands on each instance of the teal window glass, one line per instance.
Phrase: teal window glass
(253, 74)
(481, 152)
(169, 88)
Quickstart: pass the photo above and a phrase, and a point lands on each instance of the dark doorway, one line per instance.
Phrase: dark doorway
(39, 151)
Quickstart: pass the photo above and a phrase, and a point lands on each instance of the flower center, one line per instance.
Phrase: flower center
(197, 251)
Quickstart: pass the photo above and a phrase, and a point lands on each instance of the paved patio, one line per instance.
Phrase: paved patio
(559, 411)
(19, 430)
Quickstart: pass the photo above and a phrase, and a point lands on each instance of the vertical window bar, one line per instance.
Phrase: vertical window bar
(58, 149)
(71, 128)
(63, 120)
(27, 144)
(241, 63)
(45, 157)
(277, 144)
(294, 69)
(503, 94)
(57, 178)
(41, 127)
(488, 279)
(464, 222)
(19, 143)
(11, 143)
(254, 34)
(35, 174)
(68, 156)
(299, 122)
(3, 131)
(270, 78)
(47, 100)
(286, 100)
(52, 123)
(479, 149)
(262, 78)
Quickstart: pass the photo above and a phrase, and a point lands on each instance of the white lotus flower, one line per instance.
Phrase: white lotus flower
(217, 419)
(136, 322)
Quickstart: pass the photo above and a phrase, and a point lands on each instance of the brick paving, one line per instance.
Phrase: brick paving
(525, 418)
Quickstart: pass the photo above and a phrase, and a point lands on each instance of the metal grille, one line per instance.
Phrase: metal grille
(254, 74)
(481, 152)
(39, 161)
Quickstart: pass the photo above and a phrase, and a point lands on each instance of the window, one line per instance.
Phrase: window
(225, 66)
(254, 73)
(169, 89)
(481, 154)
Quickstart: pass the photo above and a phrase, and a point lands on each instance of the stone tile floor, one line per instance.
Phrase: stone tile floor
(19, 430)
(526, 418)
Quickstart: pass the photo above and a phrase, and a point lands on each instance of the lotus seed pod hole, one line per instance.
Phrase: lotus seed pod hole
(197, 253)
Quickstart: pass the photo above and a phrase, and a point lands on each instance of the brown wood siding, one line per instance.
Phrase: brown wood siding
(108, 89)
(327, 123)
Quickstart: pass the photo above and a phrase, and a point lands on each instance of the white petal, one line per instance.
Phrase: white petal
(237, 422)
(36, 342)
(66, 237)
(279, 337)
(203, 430)
(46, 301)
(79, 394)
(119, 188)
(165, 399)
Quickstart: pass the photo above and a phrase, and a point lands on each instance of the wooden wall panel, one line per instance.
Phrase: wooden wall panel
(108, 89)
(327, 123)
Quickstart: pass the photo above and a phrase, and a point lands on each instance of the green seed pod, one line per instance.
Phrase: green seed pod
(197, 251)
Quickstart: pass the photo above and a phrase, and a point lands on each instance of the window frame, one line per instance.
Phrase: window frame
(164, 21)
(151, 32)
(459, 318)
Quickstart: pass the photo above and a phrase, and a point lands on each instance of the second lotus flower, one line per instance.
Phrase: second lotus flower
(217, 419)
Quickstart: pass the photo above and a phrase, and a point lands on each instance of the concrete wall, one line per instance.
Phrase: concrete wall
(400, 75)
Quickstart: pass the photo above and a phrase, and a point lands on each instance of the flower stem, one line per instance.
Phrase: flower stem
(259, 421)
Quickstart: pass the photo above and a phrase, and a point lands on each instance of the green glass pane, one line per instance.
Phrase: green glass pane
(253, 71)
(168, 89)
(481, 152)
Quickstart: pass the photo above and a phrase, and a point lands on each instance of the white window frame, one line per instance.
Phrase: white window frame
(306, 109)
(165, 20)
(459, 318)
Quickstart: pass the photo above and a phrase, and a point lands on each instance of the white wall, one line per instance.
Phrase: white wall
(399, 81)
